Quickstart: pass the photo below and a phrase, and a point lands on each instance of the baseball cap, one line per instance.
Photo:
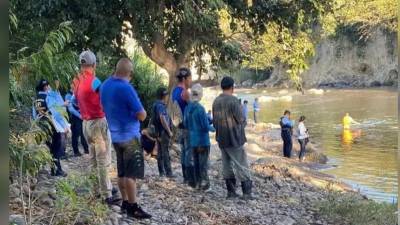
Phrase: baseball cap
(183, 72)
(196, 92)
(41, 84)
(87, 58)
(161, 92)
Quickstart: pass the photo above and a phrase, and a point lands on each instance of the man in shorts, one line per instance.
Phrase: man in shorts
(124, 112)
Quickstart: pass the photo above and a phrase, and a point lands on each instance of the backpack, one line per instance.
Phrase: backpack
(174, 112)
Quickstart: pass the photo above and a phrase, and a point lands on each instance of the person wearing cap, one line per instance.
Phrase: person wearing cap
(76, 123)
(95, 127)
(180, 96)
(163, 125)
(230, 134)
(198, 126)
(45, 112)
(124, 112)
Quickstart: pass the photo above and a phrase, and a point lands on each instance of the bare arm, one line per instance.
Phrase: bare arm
(141, 116)
(165, 125)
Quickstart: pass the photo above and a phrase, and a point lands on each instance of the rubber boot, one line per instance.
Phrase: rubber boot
(191, 176)
(246, 189)
(231, 188)
(184, 174)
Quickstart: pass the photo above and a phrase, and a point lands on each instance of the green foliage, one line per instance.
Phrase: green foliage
(28, 152)
(51, 62)
(76, 201)
(96, 23)
(146, 81)
(351, 209)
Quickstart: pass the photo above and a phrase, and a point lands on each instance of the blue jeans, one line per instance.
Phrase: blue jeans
(186, 151)
(200, 156)
(287, 143)
(303, 144)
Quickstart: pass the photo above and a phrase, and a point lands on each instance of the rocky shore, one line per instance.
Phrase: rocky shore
(287, 191)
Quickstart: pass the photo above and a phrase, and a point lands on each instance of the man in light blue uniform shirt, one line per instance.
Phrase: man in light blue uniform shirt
(256, 109)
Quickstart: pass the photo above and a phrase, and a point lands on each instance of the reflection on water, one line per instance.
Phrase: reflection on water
(365, 155)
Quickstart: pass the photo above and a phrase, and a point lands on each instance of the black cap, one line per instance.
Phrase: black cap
(42, 83)
(183, 72)
(227, 83)
(161, 92)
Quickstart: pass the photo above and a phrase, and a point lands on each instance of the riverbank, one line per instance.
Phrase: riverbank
(287, 192)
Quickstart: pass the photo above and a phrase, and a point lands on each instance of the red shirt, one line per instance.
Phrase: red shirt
(87, 95)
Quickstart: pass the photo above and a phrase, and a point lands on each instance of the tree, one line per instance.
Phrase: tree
(168, 30)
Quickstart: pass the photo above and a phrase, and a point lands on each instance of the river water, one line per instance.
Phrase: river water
(364, 157)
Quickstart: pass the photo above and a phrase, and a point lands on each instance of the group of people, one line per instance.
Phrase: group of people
(245, 109)
(227, 120)
(101, 115)
(110, 113)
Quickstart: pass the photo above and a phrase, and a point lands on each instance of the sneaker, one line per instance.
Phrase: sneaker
(206, 187)
(136, 212)
(60, 173)
(78, 154)
(124, 206)
(112, 201)
(171, 176)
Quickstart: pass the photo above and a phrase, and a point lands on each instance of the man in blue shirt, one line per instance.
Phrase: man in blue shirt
(180, 96)
(76, 123)
(163, 125)
(256, 109)
(286, 133)
(124, 112)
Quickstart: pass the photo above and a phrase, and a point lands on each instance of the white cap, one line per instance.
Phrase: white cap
(87, 58)
(196, 92)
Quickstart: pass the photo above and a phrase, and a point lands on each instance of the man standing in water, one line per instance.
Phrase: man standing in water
(286, 133)
(124, 111)
(347, 121)
(256, 109)
(230, 134)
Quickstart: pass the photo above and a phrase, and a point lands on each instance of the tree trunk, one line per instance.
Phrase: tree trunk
(159, 54)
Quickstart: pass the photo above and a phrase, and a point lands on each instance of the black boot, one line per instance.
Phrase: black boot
(231, 188)
(246, 189)
(191, 176)
(124, 206)
(135, 211)
(184, 174)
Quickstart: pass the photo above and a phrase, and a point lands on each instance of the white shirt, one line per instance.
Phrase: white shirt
(302, 131)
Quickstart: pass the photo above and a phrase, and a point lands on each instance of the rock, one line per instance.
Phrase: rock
(144, 187)
(116, 208)
(16, 220)
(316, 91)
(46, 201)
(14, 191)
(247, 83)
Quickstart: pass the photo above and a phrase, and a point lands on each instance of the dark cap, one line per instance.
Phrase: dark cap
(41, 84)
(161, 92)
(227, 83)
(183, 73)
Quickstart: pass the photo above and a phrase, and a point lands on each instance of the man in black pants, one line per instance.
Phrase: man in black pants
(162, 123)
(76, 123)
(286, 133)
